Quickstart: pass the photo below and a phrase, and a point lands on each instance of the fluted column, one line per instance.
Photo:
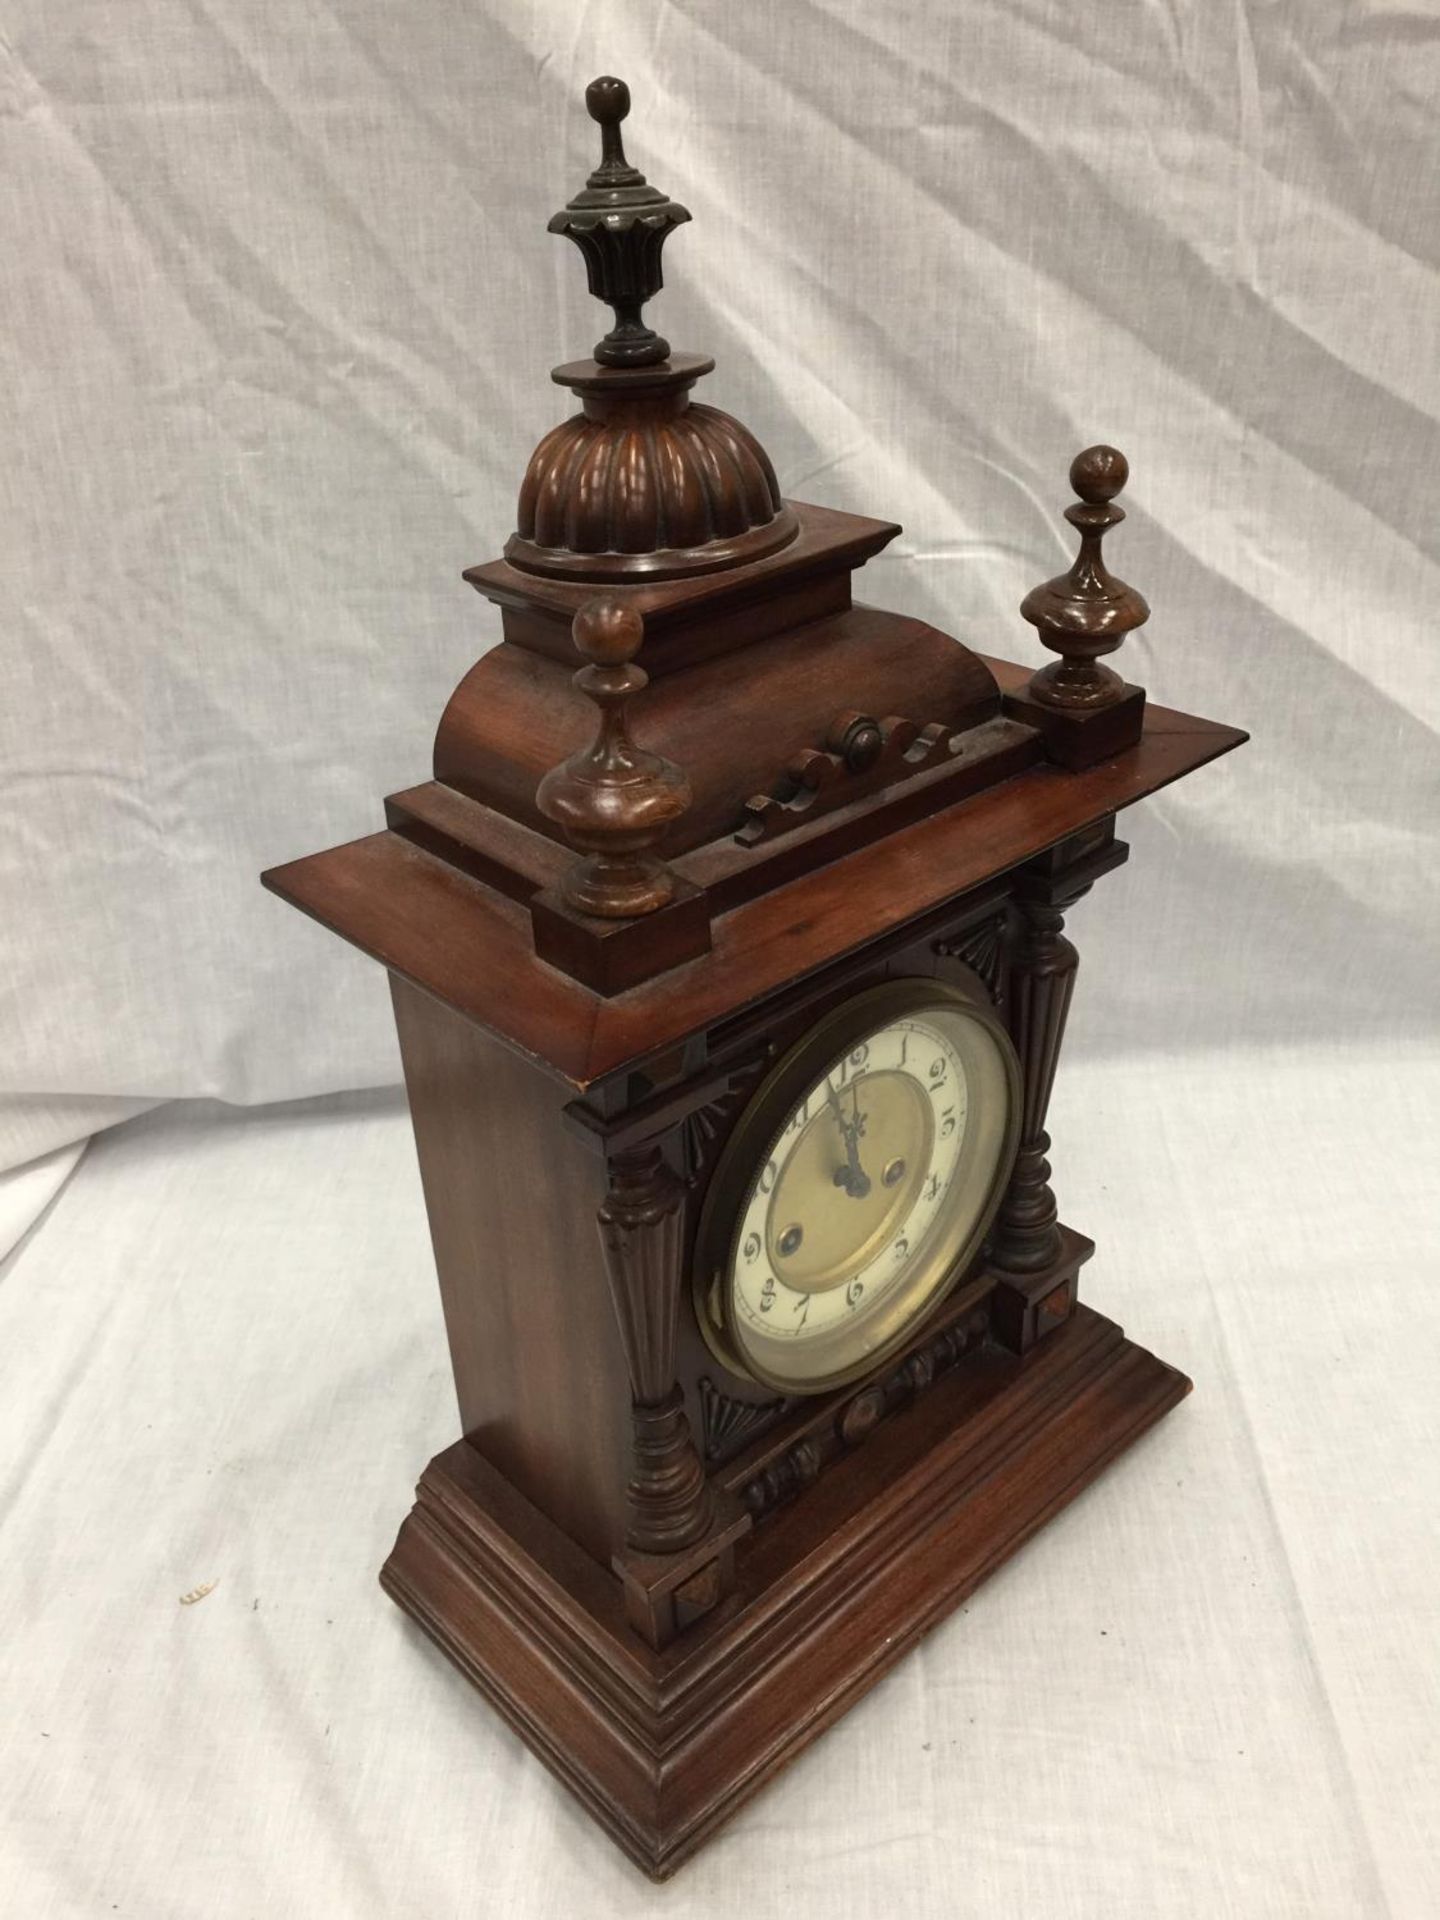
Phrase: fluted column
(1042, 980)
(641, 1221)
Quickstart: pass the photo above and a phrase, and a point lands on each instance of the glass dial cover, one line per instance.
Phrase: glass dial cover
(857, 1186)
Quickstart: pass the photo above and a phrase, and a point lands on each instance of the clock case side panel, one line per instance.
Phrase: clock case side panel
(512, 1197)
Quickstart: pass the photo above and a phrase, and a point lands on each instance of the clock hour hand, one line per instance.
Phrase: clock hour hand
(852, 1176)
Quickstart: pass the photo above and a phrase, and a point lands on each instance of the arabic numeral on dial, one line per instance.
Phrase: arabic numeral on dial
(853, 1063)
(932, 1187)
(767, 1295)
(937, 1075)
(769, 1175)
(901, 1247)
(854, 1293)
(751, 1248)
(800, 1116)
(947, 1123)
(803, 1310)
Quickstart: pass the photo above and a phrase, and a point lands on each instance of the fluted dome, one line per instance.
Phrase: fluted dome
(645, 483)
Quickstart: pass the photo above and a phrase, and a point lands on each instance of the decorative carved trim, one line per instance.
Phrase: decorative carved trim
(860, 755)
(727, 1423)
(858, 1416)
(983, 949)
(704, 1129)
(641, 1222)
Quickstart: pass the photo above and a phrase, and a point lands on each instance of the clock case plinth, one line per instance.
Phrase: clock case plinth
(622, 895)
(663, 1746)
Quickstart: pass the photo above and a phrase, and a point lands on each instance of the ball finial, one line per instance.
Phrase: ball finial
(613, 801)
(608, 632)
(1098, 474)
(607, 100)
(1086, 612)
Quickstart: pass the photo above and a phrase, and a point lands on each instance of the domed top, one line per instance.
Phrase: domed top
(644, 484)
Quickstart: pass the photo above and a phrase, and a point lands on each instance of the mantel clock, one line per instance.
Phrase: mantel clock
(730, 978)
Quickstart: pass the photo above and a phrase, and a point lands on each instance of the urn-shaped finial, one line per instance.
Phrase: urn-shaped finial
(620, 223)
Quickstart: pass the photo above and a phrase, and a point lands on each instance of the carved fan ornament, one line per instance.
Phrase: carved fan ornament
(706, 1128)
(726, 1423)
(983, 949)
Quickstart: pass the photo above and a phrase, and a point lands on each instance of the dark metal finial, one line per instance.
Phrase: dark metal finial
(620, 223)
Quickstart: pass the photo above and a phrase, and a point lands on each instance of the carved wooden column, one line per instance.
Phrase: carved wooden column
(679, 1560)
(640, 1229)
(1042, 981)
(1028, 1242)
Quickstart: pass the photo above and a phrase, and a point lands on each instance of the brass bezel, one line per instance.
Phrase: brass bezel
(756, 1131)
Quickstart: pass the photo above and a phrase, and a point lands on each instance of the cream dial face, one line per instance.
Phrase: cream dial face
(873, 1185)
(855, 1182)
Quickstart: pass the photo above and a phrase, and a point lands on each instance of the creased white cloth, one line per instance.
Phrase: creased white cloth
(1208, 1691)
(26, 1191)
(279, 312)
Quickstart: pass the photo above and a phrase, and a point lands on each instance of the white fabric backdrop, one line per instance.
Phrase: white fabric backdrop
(281, 309)
(279, 312)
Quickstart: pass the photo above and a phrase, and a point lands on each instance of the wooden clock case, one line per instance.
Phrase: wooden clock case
(666, 1577)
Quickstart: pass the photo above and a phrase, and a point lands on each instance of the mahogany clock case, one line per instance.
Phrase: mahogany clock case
(626, 894)
(842, 1525)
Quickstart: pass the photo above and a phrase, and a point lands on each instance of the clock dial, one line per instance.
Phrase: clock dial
(862, 1179)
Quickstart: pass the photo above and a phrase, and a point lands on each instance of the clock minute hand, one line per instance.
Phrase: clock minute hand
(852, 1177)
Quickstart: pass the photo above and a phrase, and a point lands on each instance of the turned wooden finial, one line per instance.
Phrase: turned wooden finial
(620, 223)
(614, 800)
(1087, 611)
